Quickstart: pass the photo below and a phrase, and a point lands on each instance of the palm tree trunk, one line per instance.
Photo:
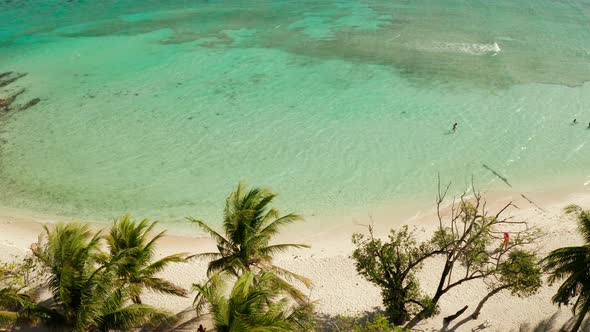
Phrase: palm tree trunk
(136, 299)
(581, 315)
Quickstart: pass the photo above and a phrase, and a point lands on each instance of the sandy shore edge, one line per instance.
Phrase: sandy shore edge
(337, 287)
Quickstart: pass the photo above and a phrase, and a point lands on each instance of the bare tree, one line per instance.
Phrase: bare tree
(474, 245)
(476, 240)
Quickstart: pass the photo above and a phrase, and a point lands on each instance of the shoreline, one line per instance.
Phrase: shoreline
(396, 212)
(347, 108)
(338, 289)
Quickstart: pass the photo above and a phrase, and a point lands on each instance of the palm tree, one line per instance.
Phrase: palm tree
(14, 306)
(137, 270)
(249, 223)
(573, 265)
(114, 314)
(82, 282)
(252, 305)
(19, 283)
(17, 307)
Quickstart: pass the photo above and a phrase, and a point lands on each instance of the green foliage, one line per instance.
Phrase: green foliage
(379, 323)
(83, 283)
(392, 265)
(575, 209)
(7, 318)
(261, 299)
(474, 246)
(521, 272)
(136, 269)
(570, 264)
(253, 304)
(373, 323)
(19, 281)
(19, 274)
(469, 237)
(11, 303)
(249, 225)
(76, 283)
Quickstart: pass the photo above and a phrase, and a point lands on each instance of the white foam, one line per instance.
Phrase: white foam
(465, 48)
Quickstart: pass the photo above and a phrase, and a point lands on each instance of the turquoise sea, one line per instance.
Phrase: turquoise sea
(160, 107)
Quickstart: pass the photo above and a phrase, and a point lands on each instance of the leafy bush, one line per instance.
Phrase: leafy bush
(372, 323)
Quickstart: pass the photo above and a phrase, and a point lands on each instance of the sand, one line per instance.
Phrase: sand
(338, 289)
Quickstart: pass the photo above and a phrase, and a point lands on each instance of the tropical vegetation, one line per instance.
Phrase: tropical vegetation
(469, 239)
(136, 270)
(97, 280)
(82, 281)
(253, 304)
(372, 322)
(249, 224)
(245, 257)
(91, 289)
(571, 266)
(17, 293)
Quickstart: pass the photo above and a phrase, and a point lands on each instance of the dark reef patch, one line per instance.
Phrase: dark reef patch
(8, 103)
(8, 78)
(30, 103)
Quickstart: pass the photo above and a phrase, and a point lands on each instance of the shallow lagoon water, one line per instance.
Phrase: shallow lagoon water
(161, 108)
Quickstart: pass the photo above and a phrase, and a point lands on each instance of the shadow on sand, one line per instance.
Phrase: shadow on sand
(552, 323)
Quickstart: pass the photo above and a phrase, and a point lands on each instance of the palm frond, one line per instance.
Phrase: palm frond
(290, 275)
(8, 318)
(162, 263)
(206, 256)
(164, 287)
(231, 264)
(279, 248)
(249, 224)
(216, 236)
(566, 260)
(570, 264)
(131, 256)
(282, 287)
(584, 225)
(573, 209)
(251, 305)
(273, 227)
(133, 316)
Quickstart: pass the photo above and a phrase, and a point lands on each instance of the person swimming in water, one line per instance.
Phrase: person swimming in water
(575, 121)
(455, 126)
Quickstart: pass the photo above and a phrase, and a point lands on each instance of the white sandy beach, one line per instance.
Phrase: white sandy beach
(338, 289)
